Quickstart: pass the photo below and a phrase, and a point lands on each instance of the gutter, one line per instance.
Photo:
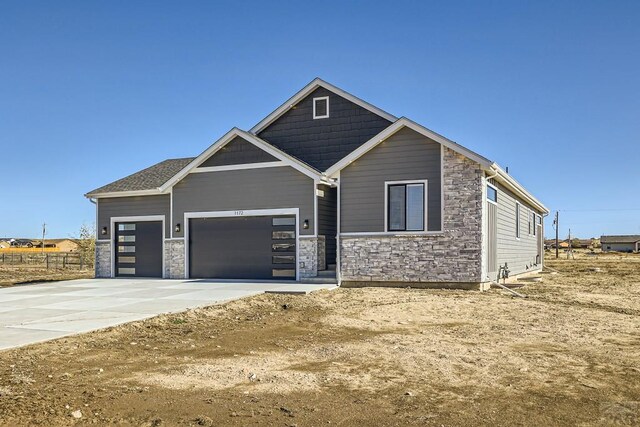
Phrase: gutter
(516, 187)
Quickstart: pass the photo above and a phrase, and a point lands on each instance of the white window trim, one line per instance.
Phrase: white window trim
(495, 188)
(518, 219)
(112, 240)
(386, 207)
(320, 98)
(239, 213)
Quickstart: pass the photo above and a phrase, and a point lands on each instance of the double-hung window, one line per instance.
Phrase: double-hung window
(406, 206)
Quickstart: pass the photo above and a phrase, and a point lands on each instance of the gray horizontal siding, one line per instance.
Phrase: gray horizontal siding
(237, 152)
(520, 253)
(132, 206)
(264, 188)
(323, 142)
(406, 155)
(619, 247)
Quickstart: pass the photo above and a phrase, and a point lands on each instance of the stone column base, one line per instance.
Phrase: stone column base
(308, 257)
(174, 267)
(103, 258)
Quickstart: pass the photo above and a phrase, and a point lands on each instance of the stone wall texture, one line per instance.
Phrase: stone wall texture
(103, 259)
(322, 253)
(174, 259)
(308, 257)
(455, 255)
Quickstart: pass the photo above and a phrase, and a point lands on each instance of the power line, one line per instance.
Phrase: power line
(599, 210)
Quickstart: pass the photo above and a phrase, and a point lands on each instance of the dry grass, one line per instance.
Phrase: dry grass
(13, 275)
(567, 355)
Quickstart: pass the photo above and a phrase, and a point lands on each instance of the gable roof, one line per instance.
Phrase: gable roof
(630, 238)
(302, 93)
(260, 143)
(489, 166)
(146, 181)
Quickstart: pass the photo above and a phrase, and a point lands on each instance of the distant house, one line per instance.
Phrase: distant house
(4, 244)
(628, 243)
(63, 245)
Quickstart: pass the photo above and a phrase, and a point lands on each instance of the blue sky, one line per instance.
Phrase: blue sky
(93, 91)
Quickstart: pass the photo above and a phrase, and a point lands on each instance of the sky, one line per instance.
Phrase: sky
(93, 91)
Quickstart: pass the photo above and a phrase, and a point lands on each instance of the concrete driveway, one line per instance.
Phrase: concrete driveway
(41, 312)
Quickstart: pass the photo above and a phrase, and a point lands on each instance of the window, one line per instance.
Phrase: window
(406, 207)
(277, 235)
(492, 194)
(530, 223)
(126, 227)
(517, 220)
(321, 107)
(283, 221)
(535, 223)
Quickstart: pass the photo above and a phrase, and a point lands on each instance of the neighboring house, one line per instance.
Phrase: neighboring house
(62, 245)
(628, 243)
(4, 244)
(326, 181)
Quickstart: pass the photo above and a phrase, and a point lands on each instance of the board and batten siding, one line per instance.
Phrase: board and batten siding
(246, 189)
(519, 253)
(404, 156)
(132, 206)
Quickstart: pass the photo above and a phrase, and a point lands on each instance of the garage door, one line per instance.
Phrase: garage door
(262, 247)
(139, 249)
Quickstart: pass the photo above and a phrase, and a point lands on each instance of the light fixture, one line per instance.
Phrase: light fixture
(103, 231)
(177, 227)
(305, 224)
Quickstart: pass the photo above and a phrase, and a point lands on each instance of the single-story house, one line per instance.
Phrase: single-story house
(626, 243)
(326, 181)
(4, 244)
(63, 245)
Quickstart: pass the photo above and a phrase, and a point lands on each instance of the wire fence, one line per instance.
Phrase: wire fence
(55, 260)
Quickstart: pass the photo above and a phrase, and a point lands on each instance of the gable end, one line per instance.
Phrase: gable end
(238, 151)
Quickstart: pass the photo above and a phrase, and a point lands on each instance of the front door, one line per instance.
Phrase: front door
(138, 248)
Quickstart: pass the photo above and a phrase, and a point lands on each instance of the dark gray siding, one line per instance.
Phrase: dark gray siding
(237, 152)
(519, 253)
(323, 142)
(327, 220)
(132, 206)
(264, 188)
(406, 155)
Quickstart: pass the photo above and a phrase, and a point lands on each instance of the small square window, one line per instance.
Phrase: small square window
(321, 107)
(492, 194)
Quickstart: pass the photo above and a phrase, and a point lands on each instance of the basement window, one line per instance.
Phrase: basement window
(321, 107)
(406, 206)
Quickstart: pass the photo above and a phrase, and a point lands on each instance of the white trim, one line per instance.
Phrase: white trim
(441, 187)
(302, 93)
(507, 180)
(320, 98)
(338, 226)
(397, 126)
(153, 192)
(171, 224)
(315, 208)
(243, 166)
(226, 138)
(243, 213)
(142, 218)
(392, 233)
(424, 182)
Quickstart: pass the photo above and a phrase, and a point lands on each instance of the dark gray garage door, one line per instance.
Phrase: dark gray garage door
(262, 247)
(139, 249)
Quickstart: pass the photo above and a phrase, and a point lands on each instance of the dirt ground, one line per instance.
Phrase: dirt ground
(15, 275)
(567, 355)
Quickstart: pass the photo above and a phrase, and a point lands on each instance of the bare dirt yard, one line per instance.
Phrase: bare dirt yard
(14, 275)
(567, 355)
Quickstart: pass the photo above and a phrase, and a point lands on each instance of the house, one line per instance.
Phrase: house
(627, 243)
(330, 182)
(62, 245)
(4, 244)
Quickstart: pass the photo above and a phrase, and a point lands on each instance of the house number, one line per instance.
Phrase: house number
(239, 213)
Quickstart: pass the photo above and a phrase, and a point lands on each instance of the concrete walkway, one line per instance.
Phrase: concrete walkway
(41, 312)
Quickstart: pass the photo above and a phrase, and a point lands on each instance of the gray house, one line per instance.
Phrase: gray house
(328, 182)
(628, 243)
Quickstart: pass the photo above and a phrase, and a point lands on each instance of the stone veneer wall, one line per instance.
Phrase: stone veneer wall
(103, 258)
(322, 253)
(455, 255)
(174, 259)
(308, 257)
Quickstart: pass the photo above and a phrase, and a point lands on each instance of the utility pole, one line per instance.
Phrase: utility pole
(44, 230)
(555, 222)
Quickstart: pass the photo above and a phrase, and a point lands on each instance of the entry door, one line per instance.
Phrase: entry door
(492, 240)
(139, 249)
(259, 247)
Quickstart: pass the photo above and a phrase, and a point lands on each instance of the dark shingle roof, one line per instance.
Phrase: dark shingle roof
(146, 179)
(620, 239)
